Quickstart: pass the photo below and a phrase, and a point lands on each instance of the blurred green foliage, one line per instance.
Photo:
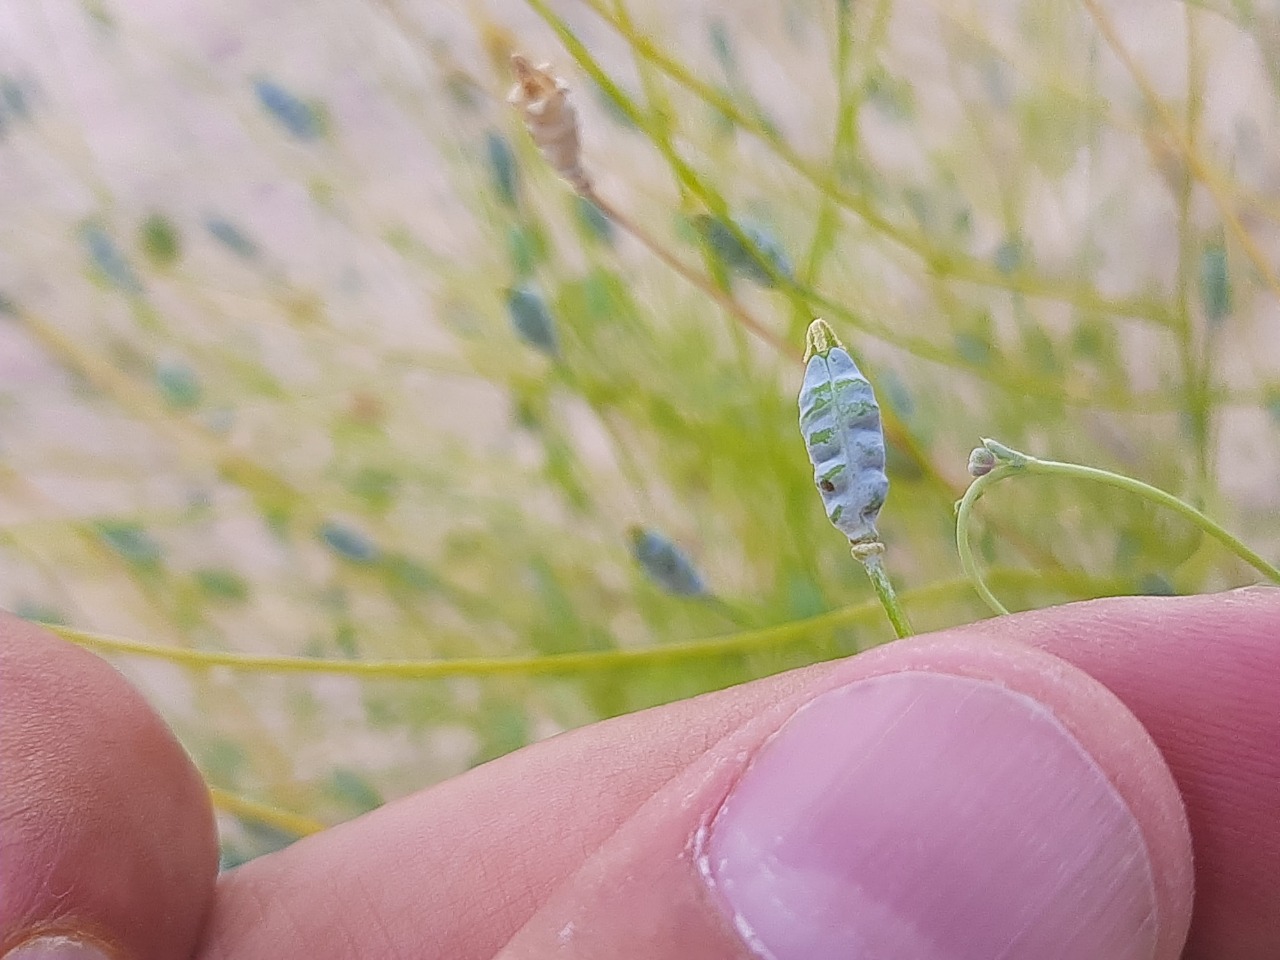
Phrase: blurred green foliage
(354, 376)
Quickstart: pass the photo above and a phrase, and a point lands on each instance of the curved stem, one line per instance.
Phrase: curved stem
(1014, 462)
(963, 512)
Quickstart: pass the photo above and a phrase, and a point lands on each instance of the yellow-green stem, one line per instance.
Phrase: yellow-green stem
(566, 663)
(246, 809)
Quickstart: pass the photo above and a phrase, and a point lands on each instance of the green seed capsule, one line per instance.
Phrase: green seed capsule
(159, 240)
(725, 244)
(532, 320)
(503, 173)
(666, 564)
(109, 261)
(1215, 282)
(840, 421)
(231, 237)
(179, 385)
(348, 543)
(301, 118)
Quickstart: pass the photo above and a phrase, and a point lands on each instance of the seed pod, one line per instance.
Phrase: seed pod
(599, 226)
(725, 244)
(840, 420)
(159, 240)
(349, 543)
(179, 385)
(296, 115)
(666, 564)
(110, 262)
(231, 237)
(1215, 282)
(551, 119)
(130, 541)
(503, 172)
(532, 320)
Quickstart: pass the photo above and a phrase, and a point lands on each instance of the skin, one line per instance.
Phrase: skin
(595, 827)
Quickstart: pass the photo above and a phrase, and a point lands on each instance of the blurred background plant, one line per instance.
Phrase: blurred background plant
(305, 352)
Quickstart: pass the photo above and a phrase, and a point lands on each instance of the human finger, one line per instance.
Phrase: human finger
(107, 841)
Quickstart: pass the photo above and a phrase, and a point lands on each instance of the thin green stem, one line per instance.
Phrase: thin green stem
(963, 513)
(1192, 342)
(1014, 462)
(264, 813)
(566, 663)
(887, 595)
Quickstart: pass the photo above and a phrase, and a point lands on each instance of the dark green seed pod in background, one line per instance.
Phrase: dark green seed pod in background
(725, 244)
(231, 237)
(179, 385)
(348, 543)
(1215, 282)
(503, 172)
(840, 421)
(599, 226)
(666, 564)
(159, 240)
(301, 118)
(532, 320)
(108, 260)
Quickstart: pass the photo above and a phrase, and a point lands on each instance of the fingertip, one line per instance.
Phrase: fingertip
(107, 837)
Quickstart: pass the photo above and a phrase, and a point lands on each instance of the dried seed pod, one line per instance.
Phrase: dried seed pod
(840, 420)
(551, 119)
(666, 564)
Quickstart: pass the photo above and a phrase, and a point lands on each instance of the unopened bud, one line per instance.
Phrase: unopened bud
(981, 462)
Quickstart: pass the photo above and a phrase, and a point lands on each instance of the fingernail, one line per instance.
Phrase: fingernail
(56, 948)
(923, 816)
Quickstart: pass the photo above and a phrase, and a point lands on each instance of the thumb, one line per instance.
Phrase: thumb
(939, 798)
(962, 795)
(107, 845)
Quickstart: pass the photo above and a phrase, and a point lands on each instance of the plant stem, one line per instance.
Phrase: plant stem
(567, 664)
(1014, 462)
(246, 809)
(885, 592)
